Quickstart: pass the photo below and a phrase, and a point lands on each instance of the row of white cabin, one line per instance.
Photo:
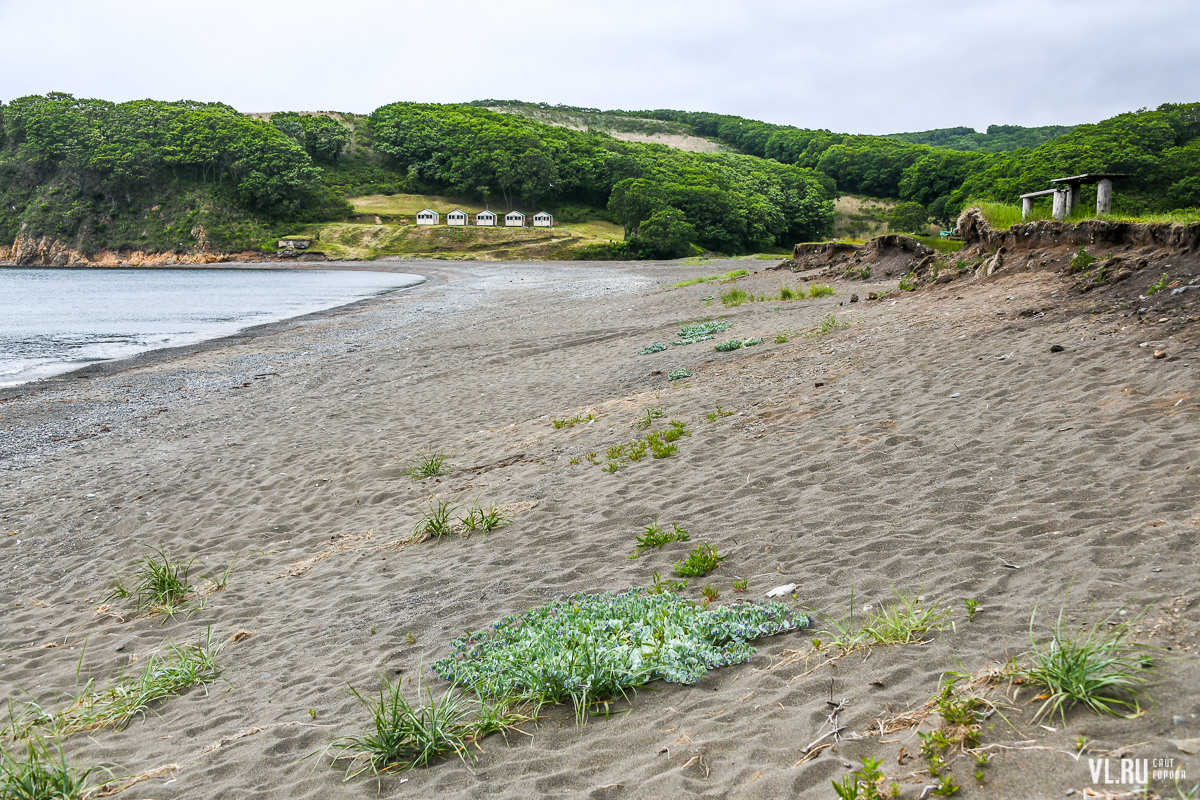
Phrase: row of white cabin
(487, 219)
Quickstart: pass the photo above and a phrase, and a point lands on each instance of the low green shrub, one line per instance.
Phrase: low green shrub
(702, 560)
(591, 649)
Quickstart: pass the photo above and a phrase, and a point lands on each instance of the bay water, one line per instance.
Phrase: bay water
(55, 320)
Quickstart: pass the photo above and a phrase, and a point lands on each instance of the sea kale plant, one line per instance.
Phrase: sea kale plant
(701, 332)
(592, 648)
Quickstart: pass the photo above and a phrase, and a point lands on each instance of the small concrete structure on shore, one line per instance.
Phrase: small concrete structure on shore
(514, 219)
(485, 218)
(456, 217)
(543, 219)
(1066, 194)
(428, 217)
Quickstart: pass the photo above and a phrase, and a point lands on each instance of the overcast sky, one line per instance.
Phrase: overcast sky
(860, 66)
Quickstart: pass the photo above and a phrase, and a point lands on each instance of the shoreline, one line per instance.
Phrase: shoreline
(163, 354)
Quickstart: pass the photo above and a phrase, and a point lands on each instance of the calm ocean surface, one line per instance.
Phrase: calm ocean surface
(56, 320)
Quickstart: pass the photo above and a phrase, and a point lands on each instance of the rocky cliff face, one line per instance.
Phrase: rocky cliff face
(47, 252)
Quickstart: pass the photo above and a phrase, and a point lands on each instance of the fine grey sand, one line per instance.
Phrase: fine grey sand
(920, 449)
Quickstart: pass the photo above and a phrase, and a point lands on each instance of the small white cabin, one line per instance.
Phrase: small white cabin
(428, 217)
(514, 219)
(543, 219)
(486, 218)
(456, 217)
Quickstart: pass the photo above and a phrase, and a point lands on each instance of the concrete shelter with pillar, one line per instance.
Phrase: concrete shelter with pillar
(1104, 189)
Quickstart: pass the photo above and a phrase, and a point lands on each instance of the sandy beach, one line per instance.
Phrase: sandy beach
(934, 445)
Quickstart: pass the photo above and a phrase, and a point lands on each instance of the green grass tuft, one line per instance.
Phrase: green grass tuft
(728, 276)
(821, 290)
(735, 297)
(1098, 668)
(119, 702)
(427, 465)
(35, 771)
(403, 736)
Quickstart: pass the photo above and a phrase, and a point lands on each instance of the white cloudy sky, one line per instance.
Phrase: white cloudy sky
(863, 66)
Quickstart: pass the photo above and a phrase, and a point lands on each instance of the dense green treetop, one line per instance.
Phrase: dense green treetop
(997, 138)
(733, 203)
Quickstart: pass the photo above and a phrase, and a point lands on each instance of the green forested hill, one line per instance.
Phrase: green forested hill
(997, 138)
(163, 176)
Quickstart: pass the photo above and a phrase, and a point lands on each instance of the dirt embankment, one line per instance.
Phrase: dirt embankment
(1090, 255)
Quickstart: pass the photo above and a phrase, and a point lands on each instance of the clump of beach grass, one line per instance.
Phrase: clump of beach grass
(404, 736)
(828, 324)
(728, 276)
(735, 297)
(436, 521)
(429, 464)
(119, 702)
(657, 536)
(788, 293)
(821, 290)
(1096, 666)
(902, 621)
(38, 770)
(592, 649)
(161, 585)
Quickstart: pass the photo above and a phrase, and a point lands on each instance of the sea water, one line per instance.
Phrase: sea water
(56, 320)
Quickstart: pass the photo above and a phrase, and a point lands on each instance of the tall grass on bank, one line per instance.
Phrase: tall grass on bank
(941, 245)
(1005, 215)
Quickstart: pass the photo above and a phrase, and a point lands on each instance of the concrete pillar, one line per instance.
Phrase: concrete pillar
(1026, 207)
(1072, 198)
(1104, 196)
(1060, 205)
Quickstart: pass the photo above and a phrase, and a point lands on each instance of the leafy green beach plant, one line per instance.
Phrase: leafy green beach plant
(592, 649)
(678, 374)
(656, 536)
(571, 422)
(736, 344)
(700, 332)
(701, 560)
